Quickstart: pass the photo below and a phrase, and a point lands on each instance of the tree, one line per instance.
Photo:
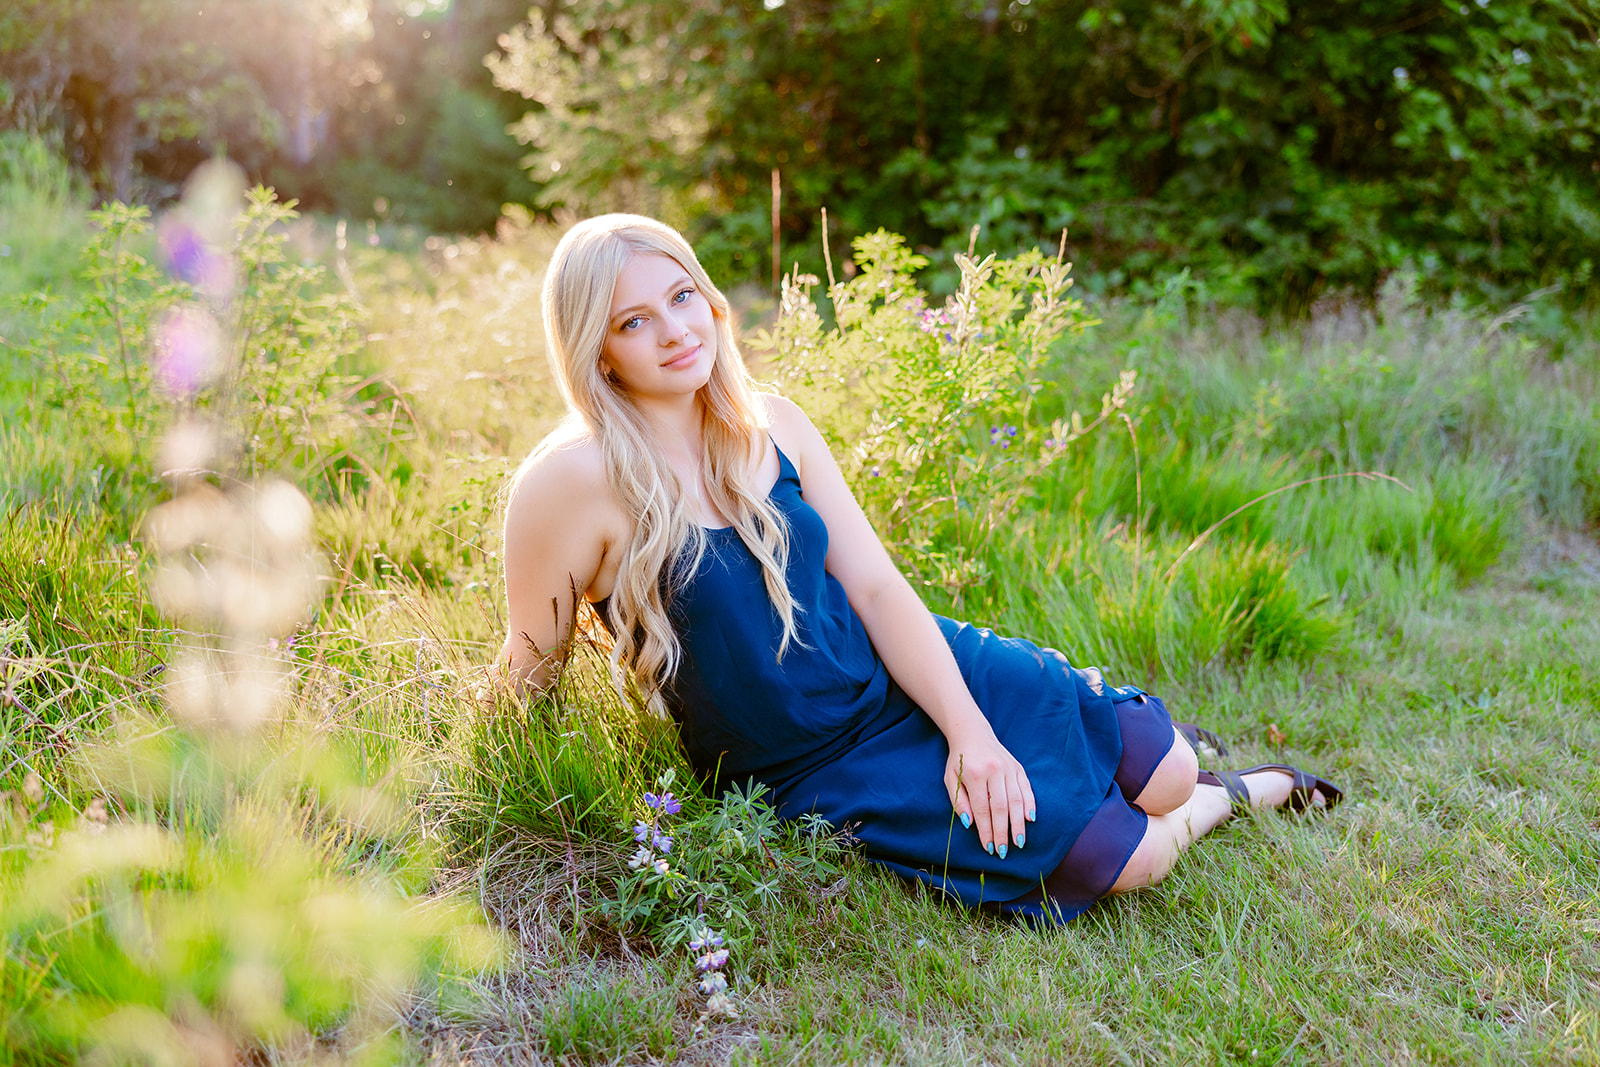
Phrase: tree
(147, 88)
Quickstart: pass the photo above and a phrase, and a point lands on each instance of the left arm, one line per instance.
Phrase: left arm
(987, 785)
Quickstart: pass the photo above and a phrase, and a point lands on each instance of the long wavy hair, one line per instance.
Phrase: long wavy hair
(667, 545)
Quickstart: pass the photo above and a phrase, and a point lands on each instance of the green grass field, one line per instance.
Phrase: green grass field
(309, 886)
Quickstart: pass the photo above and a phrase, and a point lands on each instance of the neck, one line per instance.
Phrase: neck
(676, 425)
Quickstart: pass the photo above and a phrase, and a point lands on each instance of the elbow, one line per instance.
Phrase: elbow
(884, 596)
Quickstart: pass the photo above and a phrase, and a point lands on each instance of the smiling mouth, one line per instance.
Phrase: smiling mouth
(683, 359)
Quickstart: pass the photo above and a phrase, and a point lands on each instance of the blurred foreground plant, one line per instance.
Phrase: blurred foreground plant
(235, 890)
(235, 332)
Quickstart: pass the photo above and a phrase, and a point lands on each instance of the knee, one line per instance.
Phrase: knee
(1172, 783)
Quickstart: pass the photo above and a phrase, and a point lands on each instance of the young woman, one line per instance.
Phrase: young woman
(748, 596)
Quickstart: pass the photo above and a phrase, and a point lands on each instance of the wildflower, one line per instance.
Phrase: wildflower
(191, 258)
(188, 350)
(661, 841)
(713, 984)
(661, 865)
(642, 831)
(711, 960)
(876, 473)
(708, 939)
(666, 802)
(641, 858)
(719, 1004)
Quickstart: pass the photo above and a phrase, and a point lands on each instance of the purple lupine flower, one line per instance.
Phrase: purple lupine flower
(642, 831)
(712, 960)
(994, 434)
(188, 349)
(670, 804)
(651, 800)
(713, 983)
(192, 259)
(641, 858)
(661, 865)
(661, 841)
(708, 939)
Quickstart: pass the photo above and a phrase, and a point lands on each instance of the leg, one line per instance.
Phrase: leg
(1169, 834)
(1171, 784)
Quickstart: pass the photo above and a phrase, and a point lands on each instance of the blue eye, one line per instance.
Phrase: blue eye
(630, 324)
(683, 295)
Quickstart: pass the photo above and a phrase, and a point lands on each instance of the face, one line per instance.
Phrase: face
(661, 339)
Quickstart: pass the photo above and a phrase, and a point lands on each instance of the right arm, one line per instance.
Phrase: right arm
(561, 528)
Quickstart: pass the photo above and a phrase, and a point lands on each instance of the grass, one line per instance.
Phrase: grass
(1433, 648)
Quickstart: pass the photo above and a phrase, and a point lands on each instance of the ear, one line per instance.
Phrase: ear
(605, 370)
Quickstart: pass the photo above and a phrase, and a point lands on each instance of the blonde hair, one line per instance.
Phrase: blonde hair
(667, 545)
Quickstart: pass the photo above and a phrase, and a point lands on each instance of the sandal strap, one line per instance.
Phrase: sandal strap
(1304, 786)
(1231, 783)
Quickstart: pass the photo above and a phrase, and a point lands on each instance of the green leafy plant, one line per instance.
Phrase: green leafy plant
(721, 863)
(933, 411)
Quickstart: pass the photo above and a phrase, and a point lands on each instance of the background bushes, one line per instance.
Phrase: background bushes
(1282, 151)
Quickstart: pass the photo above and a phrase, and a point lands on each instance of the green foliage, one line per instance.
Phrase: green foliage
(73, 617)
(567, 764)
(277, 366)
(618, 122)
(923, 405)
(725, 862)
(134, 935)
(603, 1022)
(41, 217)
(942, 420)
(1284, 151)
(1332, 625)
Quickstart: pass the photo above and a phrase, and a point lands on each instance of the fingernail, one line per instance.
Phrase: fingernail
(1032, 817)
(990, 846)
(1002, 850)
(966, 820)
(1020, 840)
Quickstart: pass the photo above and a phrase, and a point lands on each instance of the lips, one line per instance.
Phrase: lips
(682, 360)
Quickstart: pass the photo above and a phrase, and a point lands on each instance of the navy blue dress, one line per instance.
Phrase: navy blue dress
(828, 731)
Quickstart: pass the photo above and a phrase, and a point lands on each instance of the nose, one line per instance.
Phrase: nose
(673, 330)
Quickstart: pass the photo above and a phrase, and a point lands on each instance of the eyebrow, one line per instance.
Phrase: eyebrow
(625, 312)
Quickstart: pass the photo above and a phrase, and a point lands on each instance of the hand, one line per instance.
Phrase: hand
(989, 789)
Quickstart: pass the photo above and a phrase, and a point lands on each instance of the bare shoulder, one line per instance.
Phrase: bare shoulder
(560, 461)
(793, 430)
(562, 488)
(782, 411)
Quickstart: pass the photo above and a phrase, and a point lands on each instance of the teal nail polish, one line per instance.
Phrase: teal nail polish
(990, 847)
(966, 820)
(1020, 840)
(1002, 851)
(1032, 816)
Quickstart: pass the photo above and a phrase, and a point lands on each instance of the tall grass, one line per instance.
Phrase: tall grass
(1432, 646)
